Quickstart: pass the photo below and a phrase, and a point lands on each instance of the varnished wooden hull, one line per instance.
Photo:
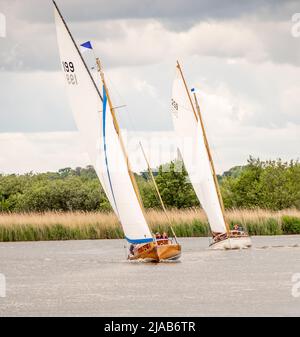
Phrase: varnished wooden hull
(154, 252)
(169, 252)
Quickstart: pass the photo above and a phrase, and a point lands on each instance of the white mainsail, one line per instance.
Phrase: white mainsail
(95, 124)
(194, 154)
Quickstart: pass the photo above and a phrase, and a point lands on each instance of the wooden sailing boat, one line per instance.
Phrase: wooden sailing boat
(100, 132)
(188, 124)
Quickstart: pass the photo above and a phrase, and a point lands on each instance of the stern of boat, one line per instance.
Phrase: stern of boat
(168, 251)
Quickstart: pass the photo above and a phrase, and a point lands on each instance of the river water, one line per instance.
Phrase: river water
(93, 278)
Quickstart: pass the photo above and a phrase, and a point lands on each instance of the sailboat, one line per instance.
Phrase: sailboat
(188, 124)
(96, 121)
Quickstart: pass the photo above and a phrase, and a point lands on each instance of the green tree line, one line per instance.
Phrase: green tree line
(265, 184)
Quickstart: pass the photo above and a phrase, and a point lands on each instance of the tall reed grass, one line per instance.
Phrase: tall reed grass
(186, 223)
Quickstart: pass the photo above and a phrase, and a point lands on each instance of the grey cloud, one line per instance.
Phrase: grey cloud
(89, 10)
(31, 43)
(41, 104)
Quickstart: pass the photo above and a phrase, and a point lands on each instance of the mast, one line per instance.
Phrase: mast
(199, 116)
(158, 193)
(187, 90)
(117, 128)
(211, 163)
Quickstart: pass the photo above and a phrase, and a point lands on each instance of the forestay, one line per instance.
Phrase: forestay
(94, 121)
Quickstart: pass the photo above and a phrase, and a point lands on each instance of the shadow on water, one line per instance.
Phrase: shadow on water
(143, 262)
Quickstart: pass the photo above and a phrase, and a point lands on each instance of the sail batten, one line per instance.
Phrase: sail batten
(195, 157)
(96, 127)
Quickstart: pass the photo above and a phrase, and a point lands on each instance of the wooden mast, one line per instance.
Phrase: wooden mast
(211, 163)
(117, 128)
(198, 115)
(158, 193)
(187, 90)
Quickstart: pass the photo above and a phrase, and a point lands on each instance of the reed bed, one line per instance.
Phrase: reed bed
(97, 225)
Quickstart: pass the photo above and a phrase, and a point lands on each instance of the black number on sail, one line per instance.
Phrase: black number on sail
(69, 70)
(68, 67)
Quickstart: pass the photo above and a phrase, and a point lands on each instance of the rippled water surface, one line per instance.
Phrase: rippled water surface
(93, 278)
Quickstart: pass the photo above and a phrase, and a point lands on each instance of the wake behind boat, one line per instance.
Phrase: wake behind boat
(96, 121)
(188, 124)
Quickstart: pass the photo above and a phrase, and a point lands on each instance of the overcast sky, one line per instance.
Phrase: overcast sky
(240, 55)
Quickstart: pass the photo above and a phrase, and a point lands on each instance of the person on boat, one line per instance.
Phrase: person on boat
(236, 227)
(131, 249)
(165, 236)
(158, 236)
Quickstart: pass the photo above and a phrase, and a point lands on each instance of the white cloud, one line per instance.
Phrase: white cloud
(290, 102)
(246, 67)
(40, 152)
(231, 145)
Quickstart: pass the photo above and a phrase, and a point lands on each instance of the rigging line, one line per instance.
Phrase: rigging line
(104, 145)
(77, 49)
(117, 129)
(108, 80)
(158, 193)
(131, 122)
(127, 110)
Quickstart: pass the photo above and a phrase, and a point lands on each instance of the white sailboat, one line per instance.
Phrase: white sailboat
(188, 124)
(95, 118)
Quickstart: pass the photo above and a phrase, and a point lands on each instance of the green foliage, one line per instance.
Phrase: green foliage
(270, 185)
(174, 186)
(290, 225)
(66, 190)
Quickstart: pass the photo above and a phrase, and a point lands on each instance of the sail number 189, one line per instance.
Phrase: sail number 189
(69, 70)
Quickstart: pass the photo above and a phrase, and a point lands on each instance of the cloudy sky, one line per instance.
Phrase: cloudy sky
(242, 56)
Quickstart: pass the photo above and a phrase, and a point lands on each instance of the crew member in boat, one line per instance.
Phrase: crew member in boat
(165, 236)
(131, 249)
(236, 227)
(158, 236)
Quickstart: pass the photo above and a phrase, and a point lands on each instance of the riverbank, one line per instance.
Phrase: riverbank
(93, 225)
